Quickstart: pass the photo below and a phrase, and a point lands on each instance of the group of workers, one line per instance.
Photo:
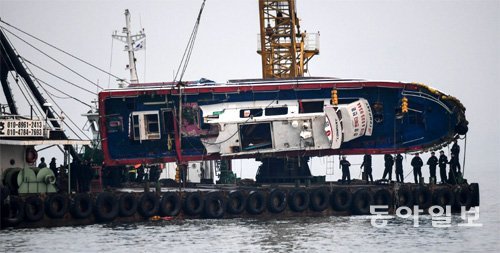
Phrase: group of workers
(417, 164)
(81, 174)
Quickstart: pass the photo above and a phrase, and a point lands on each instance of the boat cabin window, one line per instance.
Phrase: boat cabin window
(114, 124)
(255, 136)
(152, 126)
(311, 106)
(145, 125)
(247, 113)
(276, 111)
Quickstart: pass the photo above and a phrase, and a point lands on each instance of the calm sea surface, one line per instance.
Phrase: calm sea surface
(326, 234)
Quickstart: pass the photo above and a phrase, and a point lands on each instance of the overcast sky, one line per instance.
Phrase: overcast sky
(453, 46)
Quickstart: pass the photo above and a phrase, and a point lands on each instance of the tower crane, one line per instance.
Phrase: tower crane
(285, 50)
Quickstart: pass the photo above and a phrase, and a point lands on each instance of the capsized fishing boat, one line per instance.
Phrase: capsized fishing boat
(259, 118)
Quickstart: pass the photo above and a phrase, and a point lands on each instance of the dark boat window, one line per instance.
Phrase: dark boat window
(256, 136)
(168, 122)
(246, 113)
(152, 126)
(276, 111)
(311, 106)
(135, 127)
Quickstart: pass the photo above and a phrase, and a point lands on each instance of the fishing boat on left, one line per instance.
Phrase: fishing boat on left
(28, 191)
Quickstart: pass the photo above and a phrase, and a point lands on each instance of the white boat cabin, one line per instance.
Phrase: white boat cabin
(286, 125)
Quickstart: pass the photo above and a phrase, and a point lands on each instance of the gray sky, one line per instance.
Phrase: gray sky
(453, 46)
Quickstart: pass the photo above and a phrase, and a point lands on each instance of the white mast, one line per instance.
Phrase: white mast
(130, 41)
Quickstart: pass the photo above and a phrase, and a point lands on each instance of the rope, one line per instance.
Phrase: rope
(409, 173)
(465, 153)
(58, 49)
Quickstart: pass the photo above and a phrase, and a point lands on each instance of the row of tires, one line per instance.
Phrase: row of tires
(107, 206)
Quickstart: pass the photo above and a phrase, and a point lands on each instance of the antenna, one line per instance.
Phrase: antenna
(132, 44)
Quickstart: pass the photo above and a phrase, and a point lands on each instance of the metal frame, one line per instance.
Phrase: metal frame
(281, 42)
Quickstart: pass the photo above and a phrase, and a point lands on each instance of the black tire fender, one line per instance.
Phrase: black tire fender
(236, 202)
(33, 208)
(215, 205)
(405, 197)
(298, 200)
(341, 199)
(444, 197)
(256, 202)
(170, 204)
(193, 203)
(422, 197)
(56, 205)
(383, 197)
(319, 199)
(474, 188)
(81, 206)
(361, 202)
(127, 204)
(106, 206)
(13, 212)
(276, 201)
(463, 197)
(148, 205)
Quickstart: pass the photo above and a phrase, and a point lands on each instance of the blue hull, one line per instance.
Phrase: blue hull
(432, 121)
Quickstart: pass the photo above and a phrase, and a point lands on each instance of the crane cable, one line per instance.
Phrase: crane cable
(68, 95)
(56, 76)
(16, 78)
(189, 48)
(56, 104)
(52, 58)
(60, 50)
(31, 74)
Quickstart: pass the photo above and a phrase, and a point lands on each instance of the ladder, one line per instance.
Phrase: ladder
(330, 165)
